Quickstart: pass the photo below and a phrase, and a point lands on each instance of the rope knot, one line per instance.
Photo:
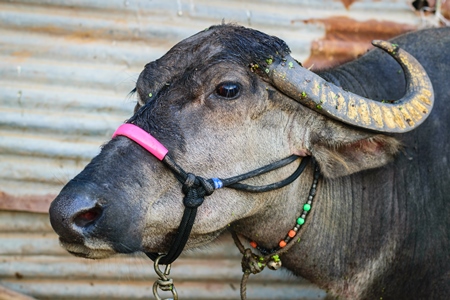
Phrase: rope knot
(195, 188)
(252, 263)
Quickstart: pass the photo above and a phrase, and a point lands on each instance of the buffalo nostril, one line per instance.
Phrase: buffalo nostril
(87, 217)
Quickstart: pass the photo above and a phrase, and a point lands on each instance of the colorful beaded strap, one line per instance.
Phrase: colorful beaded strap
(299, 222)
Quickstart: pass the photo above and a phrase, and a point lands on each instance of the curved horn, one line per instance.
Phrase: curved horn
(316, 93)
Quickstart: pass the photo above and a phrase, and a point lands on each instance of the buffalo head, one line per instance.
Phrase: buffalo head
(225, 101)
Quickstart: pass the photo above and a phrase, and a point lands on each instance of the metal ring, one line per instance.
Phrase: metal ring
(158, 271)
(164, 283)
(157, 297)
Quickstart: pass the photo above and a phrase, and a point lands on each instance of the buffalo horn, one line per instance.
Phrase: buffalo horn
(388, 116)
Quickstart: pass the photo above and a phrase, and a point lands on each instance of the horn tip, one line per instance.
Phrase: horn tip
(386, 46)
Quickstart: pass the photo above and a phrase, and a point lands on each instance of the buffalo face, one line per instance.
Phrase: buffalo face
(200, 101)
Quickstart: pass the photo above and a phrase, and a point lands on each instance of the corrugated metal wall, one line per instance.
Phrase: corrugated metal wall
(66, 68)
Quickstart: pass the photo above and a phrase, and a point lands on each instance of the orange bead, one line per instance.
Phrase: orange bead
(282, 244)
(291, 233)
(253, 244)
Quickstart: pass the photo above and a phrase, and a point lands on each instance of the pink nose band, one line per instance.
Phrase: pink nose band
(143, 138)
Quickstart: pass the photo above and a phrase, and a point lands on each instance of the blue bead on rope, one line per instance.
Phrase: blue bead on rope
(217, 183)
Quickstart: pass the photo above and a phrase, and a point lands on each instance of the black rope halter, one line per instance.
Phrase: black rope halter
(195, 188)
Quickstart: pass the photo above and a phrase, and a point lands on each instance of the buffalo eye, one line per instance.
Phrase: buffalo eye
(228, 90)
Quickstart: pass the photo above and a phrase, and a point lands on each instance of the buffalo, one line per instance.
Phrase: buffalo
(366, 215)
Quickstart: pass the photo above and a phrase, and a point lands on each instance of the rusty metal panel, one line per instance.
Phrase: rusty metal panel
(66, 68)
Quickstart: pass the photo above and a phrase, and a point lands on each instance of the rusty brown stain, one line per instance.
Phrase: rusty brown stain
(75, 35)
(30, 203)
(80, 35)
(346, 39)
(445, 9)
(21, 56)
(347, 3)
(83, 37)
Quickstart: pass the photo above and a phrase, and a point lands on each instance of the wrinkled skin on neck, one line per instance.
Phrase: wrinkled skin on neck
(361, 233)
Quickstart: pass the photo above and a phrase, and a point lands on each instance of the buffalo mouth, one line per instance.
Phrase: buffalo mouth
(84, 251)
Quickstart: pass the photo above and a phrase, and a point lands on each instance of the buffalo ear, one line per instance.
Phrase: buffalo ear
(344, 151)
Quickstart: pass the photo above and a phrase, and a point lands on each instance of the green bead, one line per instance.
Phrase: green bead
(300, 221)
(307, 207)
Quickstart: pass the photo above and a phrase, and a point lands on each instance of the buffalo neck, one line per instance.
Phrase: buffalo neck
(365, 229)
(351, 214)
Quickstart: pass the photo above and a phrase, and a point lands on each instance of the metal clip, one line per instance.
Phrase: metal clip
(164, 283)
